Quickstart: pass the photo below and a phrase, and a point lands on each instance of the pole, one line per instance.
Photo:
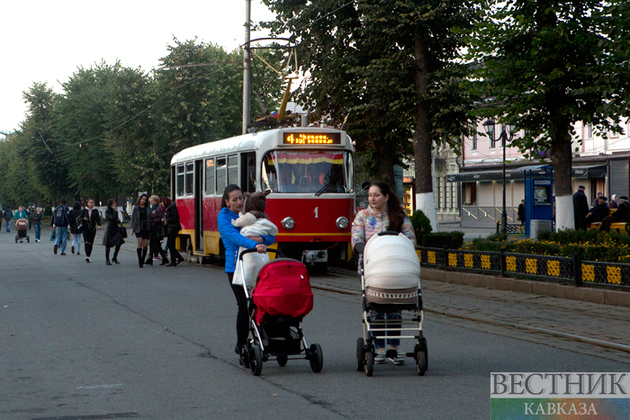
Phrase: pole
(246, 67)
(504, 213)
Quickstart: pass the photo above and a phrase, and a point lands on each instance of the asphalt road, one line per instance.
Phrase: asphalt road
(90, 341)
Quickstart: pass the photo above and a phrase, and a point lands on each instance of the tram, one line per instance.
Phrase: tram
(309, 172)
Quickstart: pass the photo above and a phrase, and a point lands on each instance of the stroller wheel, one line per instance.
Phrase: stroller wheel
(28, 239)
(16, 239)
(421, 362)
(255, 360)
(360, 354)
(369, 363)
(316, 358)
(282, 359)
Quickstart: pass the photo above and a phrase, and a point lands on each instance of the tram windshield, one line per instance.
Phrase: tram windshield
(308, 171)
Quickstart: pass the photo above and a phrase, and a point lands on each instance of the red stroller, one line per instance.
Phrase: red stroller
(21, 225)
(281, 298)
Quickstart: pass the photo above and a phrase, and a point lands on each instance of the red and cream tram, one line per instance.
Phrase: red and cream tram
(308, 170)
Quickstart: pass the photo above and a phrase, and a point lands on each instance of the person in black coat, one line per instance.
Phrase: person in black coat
(620, 215)
(521, 212)
(171, 220)
(598, 212)
(91, 219)
(580, 208)
(112, 236)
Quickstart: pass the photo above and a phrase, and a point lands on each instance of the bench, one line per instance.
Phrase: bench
(621, 227)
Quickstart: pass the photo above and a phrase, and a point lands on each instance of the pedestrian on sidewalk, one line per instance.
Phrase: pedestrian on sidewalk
(8, 215)
(112, 237)
(38, 216)
(141, 226)
(171, 221)
(60, 222)
(157, 227)
(76, 226)
(90, 221)
(384, 213)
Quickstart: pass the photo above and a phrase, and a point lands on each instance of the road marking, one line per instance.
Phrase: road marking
(99, 386)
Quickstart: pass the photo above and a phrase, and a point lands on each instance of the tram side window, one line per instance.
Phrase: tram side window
(180, 180)
(189, 178)
(221, 175)
(233, 170)
(210, 176)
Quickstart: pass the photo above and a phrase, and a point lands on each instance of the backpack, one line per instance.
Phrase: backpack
(60, 218)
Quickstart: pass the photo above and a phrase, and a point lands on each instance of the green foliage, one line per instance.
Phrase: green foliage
(450, 240)
(421, 224)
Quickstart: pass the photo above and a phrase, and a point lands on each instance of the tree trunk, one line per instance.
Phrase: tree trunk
(561, 158)
(422, 140)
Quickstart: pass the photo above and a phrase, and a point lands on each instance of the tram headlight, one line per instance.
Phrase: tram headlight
(342, 223)
(288, 223)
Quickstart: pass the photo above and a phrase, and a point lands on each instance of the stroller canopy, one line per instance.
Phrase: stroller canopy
(283, 288)
(391, 262)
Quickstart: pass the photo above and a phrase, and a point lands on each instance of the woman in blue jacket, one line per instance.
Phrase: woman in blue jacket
(231, 205)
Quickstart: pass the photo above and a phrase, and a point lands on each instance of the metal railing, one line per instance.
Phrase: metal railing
(541, 267)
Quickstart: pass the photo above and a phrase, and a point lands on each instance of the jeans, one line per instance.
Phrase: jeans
(38, 231)
(62, 237)
(379, 343)
(9, 225)
(77, 241)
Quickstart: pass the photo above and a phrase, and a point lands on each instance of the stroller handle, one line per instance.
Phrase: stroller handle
(249, 251)
(360, 247)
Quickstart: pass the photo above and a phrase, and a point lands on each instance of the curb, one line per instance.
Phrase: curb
(584, 294)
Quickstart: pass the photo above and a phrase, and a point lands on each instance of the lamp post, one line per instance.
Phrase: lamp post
(507, 133)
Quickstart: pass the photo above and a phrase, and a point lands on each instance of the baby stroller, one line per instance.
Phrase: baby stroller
(390, 281)
(281, 298)
(21, 225)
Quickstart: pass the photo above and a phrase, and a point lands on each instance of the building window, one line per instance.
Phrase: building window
(473, 142)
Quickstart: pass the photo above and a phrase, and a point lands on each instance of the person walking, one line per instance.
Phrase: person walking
(8, 215)
(580, 208)
(231, 205)
(384, 213)
(21, 213)
(171, 221)
(60, 222)
(111, 236)
(38, 216)
(157, 227)
(140, 226)
(90, 221)
(76, 227)
(521, 212)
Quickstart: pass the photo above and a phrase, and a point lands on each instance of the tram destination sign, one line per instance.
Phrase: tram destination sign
(298, 138)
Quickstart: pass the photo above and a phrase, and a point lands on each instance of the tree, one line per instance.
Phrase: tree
(392, 66)
(547, 64)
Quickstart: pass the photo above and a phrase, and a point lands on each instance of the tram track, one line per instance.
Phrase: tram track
(501, 323)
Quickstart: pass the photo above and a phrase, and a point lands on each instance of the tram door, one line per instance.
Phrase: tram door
(199, 242)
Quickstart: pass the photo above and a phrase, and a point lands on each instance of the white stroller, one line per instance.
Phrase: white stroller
(390, 280)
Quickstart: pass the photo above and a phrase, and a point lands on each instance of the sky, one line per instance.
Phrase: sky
(46, 41)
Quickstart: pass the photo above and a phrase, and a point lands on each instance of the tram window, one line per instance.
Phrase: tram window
(180, 180)
(221, 175)
(233, 170)
(210, 176)
(189, 178)
(248, 171)
(307, 171)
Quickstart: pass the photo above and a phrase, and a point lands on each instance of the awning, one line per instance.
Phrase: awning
(578, 172)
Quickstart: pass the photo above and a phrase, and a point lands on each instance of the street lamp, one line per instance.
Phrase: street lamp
(507, 134)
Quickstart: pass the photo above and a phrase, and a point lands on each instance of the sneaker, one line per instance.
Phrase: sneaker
(37, 240)
(380, 358)
(398, 360)
(78, 253)
(55, 249)
(87, 259)
(72, 249)
(63, 253)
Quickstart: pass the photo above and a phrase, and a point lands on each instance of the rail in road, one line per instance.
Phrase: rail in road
(605, 326)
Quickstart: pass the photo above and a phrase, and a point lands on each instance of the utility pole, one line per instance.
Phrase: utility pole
(246, 67)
